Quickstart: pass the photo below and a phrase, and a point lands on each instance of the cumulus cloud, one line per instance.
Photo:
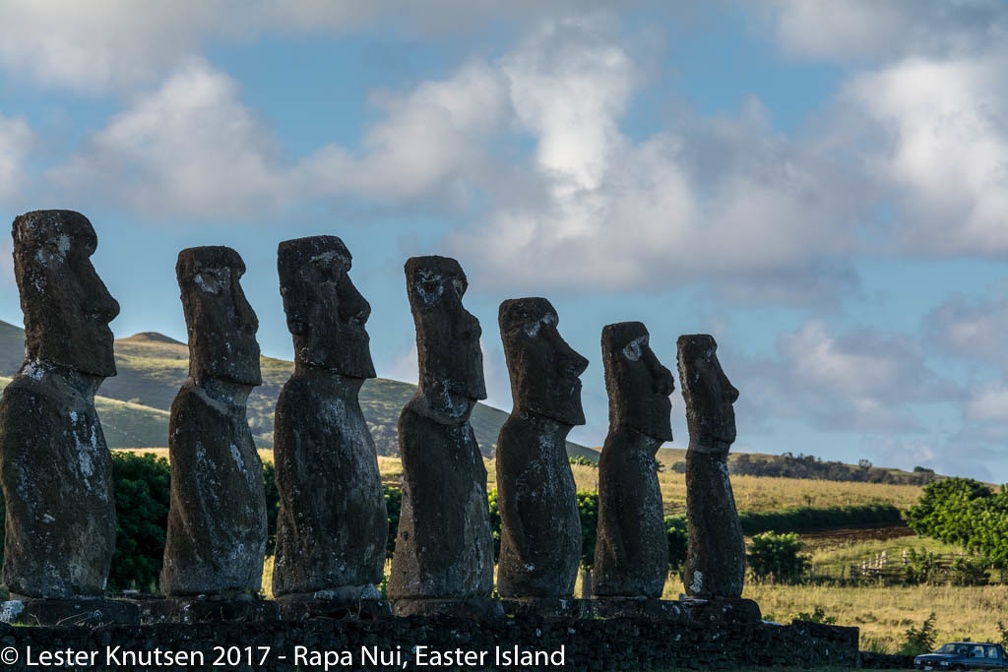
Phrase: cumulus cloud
(860, 30)
(188, 149)
(120, 44)
(16, 139)
(971, 328)
(431, 141)
(723, 200)
(943, 127)
(860, 381)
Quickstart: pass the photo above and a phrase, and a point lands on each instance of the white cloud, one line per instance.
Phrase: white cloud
(988, 404)
(972, 329)
(188, 149)
(120, 44)
(431, 141)
(16, 139)
(860, 381)
(859, 30)
(944, 126)
(722, 200)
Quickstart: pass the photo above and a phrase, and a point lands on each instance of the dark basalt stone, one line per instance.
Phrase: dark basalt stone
(444, 546)
(217, 520)
(332, 526)
(715, 562)
(540, 526)
(55, 467)
(631, 549)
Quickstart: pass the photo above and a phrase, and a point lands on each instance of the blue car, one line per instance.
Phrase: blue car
(963, 656)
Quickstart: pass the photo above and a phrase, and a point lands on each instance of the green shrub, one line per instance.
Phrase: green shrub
(808, 519)
(920, 640)
(777, 557)
(678, 538)
(142, 496)
(588, 511)
(393, 504)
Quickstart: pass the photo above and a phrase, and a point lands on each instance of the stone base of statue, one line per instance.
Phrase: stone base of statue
(361, 603)
(546, 607)
(474, 609)
(637, 607)
(208, 609)
(721, 610)
(81, 611)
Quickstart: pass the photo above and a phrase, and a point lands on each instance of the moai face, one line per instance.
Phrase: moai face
(221, 323)
(451, 363)
(636, 382)
(545, 371)
(67, 308)
(707, 392)
(325, 312)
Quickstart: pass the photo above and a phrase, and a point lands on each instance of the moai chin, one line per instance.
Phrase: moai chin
(444, 546)
(631, 550)
(715, 562)
(55, 468)
(540, 525)
(217, 519)
(332, 526)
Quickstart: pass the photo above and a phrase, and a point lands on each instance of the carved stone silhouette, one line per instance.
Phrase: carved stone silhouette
(715, 563)
(540, 526)
(217, 520)
(631, 550)
(55, 468)
(332, 526)
(444, 547)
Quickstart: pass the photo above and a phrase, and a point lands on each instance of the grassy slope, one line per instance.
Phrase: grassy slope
(151, 367)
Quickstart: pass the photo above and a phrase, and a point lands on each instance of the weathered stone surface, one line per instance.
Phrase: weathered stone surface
(55, 468)
(540, 526)
(444, 546)
(715, 563)
(631, 549)
(217, 520)
(332, 526)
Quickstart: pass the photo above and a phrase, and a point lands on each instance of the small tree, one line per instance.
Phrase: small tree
(678, 541)
(920, 640)
(777, 557)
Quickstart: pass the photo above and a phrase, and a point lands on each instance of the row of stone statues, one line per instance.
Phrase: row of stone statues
(332, 525)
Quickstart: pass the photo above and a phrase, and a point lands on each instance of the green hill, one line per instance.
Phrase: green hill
(151, 367)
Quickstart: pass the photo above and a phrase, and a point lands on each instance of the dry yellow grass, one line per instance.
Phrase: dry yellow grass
(885, 613)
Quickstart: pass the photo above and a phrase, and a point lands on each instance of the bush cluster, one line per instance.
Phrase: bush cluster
(967, 513)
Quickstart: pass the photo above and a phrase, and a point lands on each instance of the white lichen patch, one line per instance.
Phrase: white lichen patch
(548, 320)
(237, 457)
(696, 585)
(632, 351)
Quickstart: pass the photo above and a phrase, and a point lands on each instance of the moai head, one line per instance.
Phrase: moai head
(325, 312)
(636, 382)
(67, 308)
(220, 322)
(708, 394)
(448, 349)
(545, 371)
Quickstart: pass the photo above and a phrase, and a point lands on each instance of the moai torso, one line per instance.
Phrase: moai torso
(631, 548)
(540, 525)
(55, 468)
(217, 519)
(332, 526)
(715, 562)
(444, 545)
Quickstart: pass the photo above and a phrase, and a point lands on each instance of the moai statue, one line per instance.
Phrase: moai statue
(715, 562)
(217, 520)
(332, 526)
(631, 550)
(55, 468)
(444, 547)
(540, 526)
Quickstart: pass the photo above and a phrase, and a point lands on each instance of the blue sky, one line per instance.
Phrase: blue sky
(820, 185)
